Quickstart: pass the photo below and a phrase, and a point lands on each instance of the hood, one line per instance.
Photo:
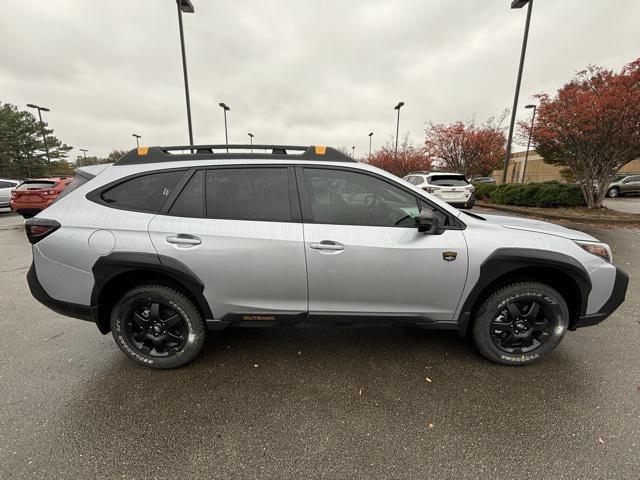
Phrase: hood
(538, 226)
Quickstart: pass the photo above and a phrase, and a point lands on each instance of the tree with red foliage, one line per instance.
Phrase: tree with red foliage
(467, 148)
(409, 159)
(591, 126)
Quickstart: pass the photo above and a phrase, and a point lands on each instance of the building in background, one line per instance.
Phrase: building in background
(539, 171)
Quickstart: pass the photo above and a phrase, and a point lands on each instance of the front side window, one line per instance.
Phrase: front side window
(351, 198)
(146, 193)
(248, 194)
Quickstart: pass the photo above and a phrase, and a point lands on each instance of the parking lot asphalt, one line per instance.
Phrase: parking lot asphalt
(315, 403)
(623, 204)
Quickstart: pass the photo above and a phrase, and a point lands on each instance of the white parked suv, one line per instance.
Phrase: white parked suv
(453, 188)
(170, 243)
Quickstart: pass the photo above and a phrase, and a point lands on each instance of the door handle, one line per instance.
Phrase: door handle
(327, 245)
(183, 239)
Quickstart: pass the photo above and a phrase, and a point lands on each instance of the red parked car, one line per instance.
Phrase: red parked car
(34, 195)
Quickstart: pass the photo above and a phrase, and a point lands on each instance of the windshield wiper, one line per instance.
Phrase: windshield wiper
(474, 215)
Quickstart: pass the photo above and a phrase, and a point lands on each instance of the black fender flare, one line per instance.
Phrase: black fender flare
(505, 260)
(116, 263)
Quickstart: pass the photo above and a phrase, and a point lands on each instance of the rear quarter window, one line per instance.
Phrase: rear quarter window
(145, 193)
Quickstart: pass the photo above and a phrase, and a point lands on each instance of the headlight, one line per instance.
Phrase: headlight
(601, 250)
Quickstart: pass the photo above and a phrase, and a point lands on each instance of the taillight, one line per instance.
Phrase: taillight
(39, 228)
(431, 189)
(471, 188)
(50, 192)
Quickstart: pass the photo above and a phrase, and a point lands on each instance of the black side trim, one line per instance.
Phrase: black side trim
(82, 312)
(117, 263)
(614, 301)
(505, 260)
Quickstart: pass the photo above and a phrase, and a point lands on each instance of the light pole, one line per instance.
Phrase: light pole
(370, 135)
(526, 157)
(138, 137)
(84, 152)
(397, 107)
(251, 135)
(517, 4)
(353, 151)
(225, 108)
(44, 137)
(187, 7)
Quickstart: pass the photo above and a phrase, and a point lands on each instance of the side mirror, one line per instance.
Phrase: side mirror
(429, 223)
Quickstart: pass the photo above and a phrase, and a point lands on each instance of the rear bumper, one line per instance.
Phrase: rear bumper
(614, 301)
(82, 312)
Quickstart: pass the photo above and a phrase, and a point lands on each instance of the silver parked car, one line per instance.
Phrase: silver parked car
(6, 187)
(170, 243)
(453, 188)
(623, 186)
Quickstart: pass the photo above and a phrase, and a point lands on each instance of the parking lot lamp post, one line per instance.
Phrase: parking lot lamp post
(517, 4)
(370, 135)
(138, 137)
(397, 107)
(225, 108)
(44, 137)
(84, 152)
(526, 156)
(353, 151)
(251, 135)
(187, 7)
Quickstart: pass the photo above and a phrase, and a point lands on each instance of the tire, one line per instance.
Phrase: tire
(613, 192)
(507, 322)
(169, 336)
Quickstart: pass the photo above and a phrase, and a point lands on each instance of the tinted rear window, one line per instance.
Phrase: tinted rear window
(449, 180)
(146, 193)
(248, 194)
(36, 185)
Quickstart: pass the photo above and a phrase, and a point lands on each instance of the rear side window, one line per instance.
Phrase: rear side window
(248, 194)
(190, 202)
(6, 185)
(449, 180)
(36, 185)
(146, 193)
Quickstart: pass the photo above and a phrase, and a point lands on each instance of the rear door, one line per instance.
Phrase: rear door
(366, 258)
(239, 230)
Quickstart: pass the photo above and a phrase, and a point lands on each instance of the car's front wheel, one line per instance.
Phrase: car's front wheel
(613, 192)
(520, 323)
(157, 326)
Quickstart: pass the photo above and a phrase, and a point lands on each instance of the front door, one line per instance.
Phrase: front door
(365, 256)
(239, 232)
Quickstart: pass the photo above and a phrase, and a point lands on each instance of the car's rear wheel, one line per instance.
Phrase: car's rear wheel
(613, 192)
(520, 323)
(157, 326)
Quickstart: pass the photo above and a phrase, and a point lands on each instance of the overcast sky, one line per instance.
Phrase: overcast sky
(296, 72)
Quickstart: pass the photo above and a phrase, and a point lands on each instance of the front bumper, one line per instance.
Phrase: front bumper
(73, 310)
(615, 300)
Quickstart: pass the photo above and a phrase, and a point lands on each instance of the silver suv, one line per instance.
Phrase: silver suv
(171, 242)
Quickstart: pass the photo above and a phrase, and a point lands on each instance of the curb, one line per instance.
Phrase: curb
(554, 216)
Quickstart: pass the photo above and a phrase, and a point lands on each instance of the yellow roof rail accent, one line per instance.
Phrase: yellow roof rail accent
(321, 149)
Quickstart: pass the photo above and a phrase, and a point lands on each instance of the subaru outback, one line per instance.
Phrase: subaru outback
(170, 243)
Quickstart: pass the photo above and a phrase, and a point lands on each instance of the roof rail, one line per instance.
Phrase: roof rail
(143, 155)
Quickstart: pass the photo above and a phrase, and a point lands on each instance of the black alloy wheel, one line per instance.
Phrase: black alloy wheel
(522, 326)
(156, 329)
